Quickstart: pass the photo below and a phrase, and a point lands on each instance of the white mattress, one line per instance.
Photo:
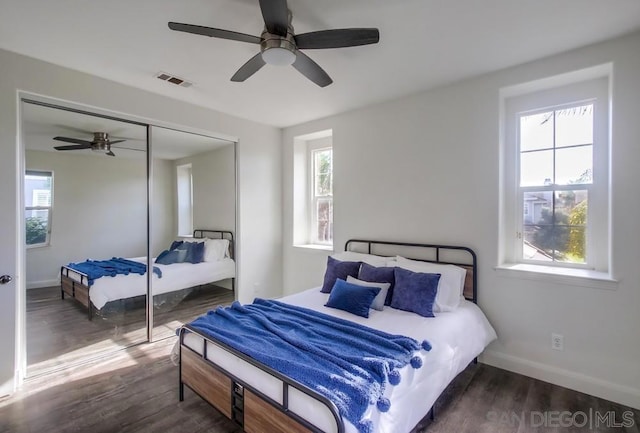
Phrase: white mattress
(177, 276)
(456, 338)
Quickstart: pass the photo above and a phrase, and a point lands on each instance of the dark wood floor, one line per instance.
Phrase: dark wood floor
(135, 390)
(59, 333)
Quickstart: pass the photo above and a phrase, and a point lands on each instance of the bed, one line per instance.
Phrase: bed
(260, 399)
(174, 277)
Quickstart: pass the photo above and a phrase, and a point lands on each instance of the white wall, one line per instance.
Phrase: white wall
(259, 173)
(163, 199)
(425, 168)
(214, 193)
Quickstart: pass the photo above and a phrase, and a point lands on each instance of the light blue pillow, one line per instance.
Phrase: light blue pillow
(352, 298)
(167, 257)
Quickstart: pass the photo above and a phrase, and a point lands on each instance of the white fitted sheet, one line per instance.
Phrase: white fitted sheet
(175, 277)
(456, 337)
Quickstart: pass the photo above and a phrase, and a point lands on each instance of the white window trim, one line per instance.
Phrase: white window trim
(597, 272)
(302, 188)
(49, 208)
(313, 200)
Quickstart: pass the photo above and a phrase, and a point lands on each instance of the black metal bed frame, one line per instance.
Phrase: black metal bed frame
(288, 382)
(84, 278)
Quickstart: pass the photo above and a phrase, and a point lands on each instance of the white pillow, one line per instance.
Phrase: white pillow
(215, 249)
(450, 286)
(352, 256)
(378, 301)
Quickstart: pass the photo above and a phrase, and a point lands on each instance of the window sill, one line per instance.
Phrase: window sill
(315, 247)
(569, 276)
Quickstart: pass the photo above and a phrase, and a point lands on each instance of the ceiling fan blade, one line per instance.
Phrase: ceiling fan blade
(276, 16)
(110, 153)
(73, 147)
(128, 148)
(214, 33)
(116, 141)
(73, 140)
(311, 70)
(248, 69)
(338, 38)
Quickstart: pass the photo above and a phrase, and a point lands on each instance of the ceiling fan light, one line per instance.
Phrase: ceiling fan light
(278, 56)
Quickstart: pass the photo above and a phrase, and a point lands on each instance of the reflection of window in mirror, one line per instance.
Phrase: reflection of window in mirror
(185, 199)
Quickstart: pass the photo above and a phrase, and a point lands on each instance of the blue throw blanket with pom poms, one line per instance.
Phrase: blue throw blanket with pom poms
(95, 269)
(346, 362)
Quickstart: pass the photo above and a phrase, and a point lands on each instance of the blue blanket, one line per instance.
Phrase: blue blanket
(117, 265)
(346, 362)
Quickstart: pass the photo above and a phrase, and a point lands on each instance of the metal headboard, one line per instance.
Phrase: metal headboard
(434, 253)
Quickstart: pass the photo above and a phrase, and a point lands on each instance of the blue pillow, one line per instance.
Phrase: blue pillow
(352, 298)
(175, 245)
(338, 269)
(373, 274)
(195, 252)
(415, 292)
(167, 257)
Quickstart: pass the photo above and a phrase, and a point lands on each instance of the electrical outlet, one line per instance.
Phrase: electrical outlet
(557, 342)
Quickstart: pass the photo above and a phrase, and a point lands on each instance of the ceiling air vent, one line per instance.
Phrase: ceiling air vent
(173, 79)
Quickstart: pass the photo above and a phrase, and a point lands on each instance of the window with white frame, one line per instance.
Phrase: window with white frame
(321, 195)
(556, 169)
(184, 178)
(38, 199)
(313, 190)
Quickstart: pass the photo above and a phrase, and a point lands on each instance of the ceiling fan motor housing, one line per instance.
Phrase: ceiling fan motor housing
(278, 50)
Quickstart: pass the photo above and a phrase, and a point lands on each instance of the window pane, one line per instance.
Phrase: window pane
(574, 126)
(323, 178)
(536, 168)
(36, 226)
(537, 207)
(324, 217)
(37, 189)
(574, 165)
(536, 131)
(324, 184)
(559, 235)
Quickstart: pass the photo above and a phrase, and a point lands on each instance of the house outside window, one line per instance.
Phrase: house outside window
(557, 177)
(38, 190)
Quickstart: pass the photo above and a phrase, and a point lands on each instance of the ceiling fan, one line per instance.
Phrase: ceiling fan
(279, 45)
(100, 143)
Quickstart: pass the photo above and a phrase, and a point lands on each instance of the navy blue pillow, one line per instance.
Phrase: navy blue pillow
(415, 292)
(175, 245)
(167, 257)
(338, 269)
(195, 252)
(352, 298)
(379, 275)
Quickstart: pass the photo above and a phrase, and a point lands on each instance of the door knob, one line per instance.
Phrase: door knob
(5, 279)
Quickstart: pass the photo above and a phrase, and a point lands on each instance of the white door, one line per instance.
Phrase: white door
(8, 258)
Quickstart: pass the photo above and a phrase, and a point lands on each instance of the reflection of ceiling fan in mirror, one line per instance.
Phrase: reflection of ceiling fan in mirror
(100, 143)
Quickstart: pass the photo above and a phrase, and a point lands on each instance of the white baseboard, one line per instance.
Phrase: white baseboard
(45, 283)
(615, 392)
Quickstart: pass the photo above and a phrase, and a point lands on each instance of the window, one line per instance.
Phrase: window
(556, 177)
(313, 190)
(184, 177)
(322, 196)
(38, 198)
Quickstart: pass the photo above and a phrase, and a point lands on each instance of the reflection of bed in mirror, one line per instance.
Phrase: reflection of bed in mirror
(167, 279)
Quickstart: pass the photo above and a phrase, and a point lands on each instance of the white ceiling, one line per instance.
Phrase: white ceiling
(423, 44)
(41, 124)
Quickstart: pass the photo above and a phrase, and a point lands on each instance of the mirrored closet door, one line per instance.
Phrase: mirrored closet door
(193, 220)
(85, 198)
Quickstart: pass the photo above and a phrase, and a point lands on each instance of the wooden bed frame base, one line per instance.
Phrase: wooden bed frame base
(255, 412)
